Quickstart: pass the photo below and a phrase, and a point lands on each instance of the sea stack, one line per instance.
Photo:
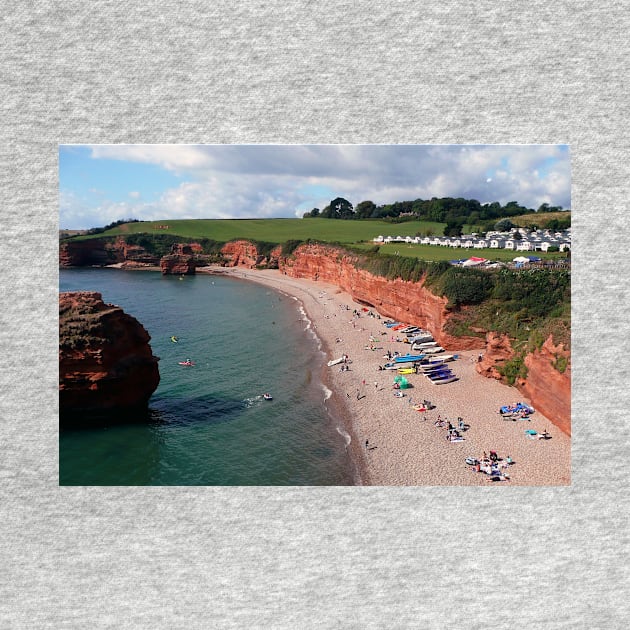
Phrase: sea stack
(106, 365)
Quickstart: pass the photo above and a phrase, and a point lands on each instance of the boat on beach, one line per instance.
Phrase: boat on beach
(434, 359)
(408, 370)
(406, 358)
(433, 350)
(424, 344)
(343, 359)
(444, 380)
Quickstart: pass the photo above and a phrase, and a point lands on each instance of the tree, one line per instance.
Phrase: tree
(364, 209)
(504, 225)
(313, 213)
(453, 228)
(340, 208)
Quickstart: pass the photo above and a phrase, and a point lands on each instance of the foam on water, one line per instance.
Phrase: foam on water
(344, 435)
(327, 392)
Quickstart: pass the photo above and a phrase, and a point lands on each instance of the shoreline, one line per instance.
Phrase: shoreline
(392, 444)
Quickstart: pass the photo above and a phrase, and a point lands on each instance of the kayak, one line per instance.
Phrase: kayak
(186, 363)
(409, 358)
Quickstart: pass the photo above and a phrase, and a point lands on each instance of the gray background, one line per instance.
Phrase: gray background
(398, 72)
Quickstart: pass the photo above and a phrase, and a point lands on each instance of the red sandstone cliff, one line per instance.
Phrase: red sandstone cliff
(243, 253)
(101, 252)
(409, 302)
(82, 253)
(498, 350)
(105, 361)
(547, 389)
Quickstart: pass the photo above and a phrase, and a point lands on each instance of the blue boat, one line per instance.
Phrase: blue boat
(409, 358)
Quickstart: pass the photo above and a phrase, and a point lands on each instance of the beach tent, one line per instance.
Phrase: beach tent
(520, 259)
(473, 261)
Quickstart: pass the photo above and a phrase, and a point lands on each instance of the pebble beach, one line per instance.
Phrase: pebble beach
(391, 443)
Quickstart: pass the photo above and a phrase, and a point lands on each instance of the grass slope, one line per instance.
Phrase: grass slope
(276, 230)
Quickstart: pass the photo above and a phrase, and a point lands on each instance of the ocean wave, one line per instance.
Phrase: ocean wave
(344, 435)
(327, 392)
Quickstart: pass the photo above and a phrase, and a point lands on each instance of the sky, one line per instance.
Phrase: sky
(99, 184)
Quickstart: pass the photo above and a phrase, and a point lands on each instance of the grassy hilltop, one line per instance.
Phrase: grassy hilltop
(275, 230)
(278, 231)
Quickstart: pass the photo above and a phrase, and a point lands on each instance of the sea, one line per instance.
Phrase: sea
(208, 424)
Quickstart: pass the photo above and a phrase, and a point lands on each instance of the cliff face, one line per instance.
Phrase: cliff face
(245, 254)
(547, 389)
(550, 388)
(405, 301)
(100, 252)
(106, 365)
(82, 253)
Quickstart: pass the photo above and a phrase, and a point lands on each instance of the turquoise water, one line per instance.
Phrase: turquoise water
(208, 424)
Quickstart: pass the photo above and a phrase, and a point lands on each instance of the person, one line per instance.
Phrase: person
(509, 460)
(366, 443)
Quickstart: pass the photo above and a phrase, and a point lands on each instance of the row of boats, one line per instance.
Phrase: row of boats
(425, 356)
(421, 340)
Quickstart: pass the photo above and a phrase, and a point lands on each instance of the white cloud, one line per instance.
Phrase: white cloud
(238, 181)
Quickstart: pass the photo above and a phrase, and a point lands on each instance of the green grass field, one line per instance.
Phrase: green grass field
(356, 233)
(276, 230)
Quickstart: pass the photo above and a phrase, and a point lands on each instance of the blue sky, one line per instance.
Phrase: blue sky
(99, 184)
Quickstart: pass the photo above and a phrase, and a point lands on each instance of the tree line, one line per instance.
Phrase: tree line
(454, 211)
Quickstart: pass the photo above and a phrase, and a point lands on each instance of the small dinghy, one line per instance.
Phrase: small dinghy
(267, 396)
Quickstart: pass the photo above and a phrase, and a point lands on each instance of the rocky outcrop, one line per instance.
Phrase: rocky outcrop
(243, 253)
(180, 261)
(498, 350)
(106, 366)
(178, 265)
